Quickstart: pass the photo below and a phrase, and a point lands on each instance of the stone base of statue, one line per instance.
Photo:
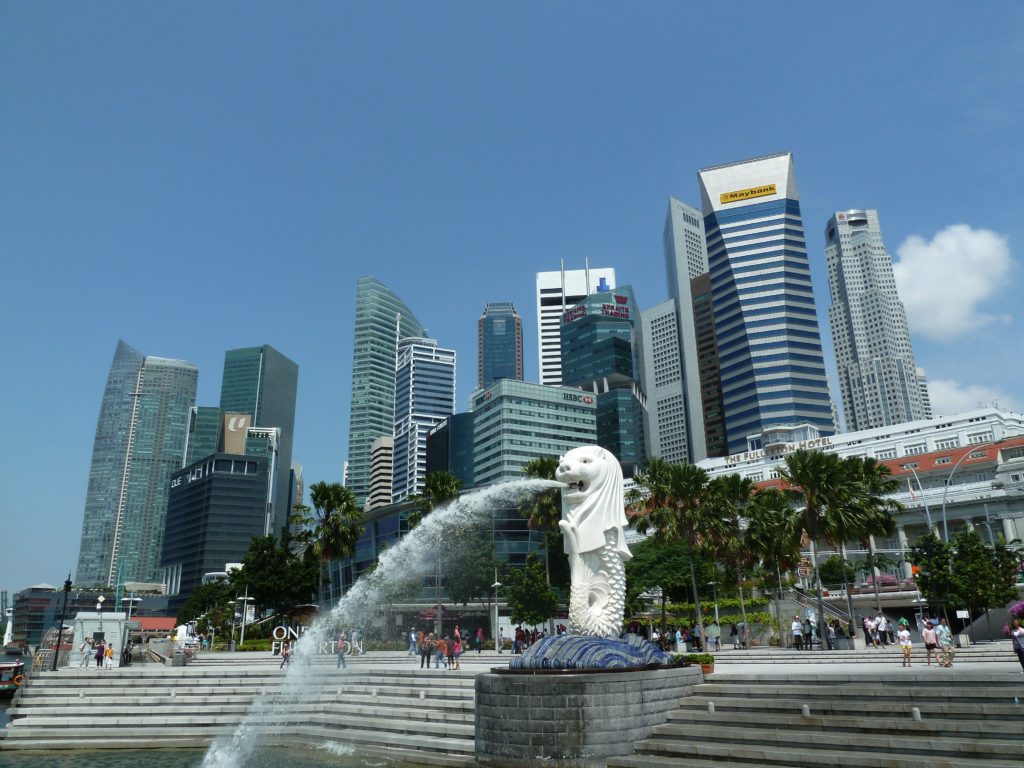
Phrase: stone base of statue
(573, 717)
(585, 652)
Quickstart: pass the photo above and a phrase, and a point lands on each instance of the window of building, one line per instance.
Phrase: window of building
(944, 460)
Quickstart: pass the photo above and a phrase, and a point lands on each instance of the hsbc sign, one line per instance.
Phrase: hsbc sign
(574, 398)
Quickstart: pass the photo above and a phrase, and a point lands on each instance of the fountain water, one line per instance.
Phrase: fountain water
(401, 568)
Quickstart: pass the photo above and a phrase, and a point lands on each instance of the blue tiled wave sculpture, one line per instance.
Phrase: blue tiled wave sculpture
(586, 652)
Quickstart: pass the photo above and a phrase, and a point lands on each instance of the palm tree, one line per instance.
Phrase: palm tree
(333, 528)
(673, 500)
(773, 538)
(439, 488)
(730, 495)
(545, 508)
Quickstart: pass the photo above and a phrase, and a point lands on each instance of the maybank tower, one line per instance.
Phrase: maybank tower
(769, 342)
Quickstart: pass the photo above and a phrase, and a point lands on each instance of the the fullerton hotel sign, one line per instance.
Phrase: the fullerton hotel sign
(779, 449)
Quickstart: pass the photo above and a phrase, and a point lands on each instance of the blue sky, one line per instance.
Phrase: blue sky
(194, 177)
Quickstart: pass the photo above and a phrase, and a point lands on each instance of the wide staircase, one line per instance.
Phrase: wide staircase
(412, 715)
(962, 718)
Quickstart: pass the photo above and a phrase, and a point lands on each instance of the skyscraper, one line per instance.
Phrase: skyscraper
(381, 320)
(557, 292)
(878, 379)
(710, 369)
(769, 342)
(381, 473)
(499, 344)
(602, 353)
(424, 396)
(667, 435)
(139, 443)
(677, 397)
(262, 382)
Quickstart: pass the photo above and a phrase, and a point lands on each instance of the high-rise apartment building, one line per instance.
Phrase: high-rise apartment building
(139, 443)
(261, 382)
(769, 341)
(424, 396)
(381, 320)
(557, 292)
(878, 378)
(499, 344)
(515, 422)
(602, 353)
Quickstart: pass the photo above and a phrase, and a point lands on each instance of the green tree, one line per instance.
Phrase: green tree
(934, 574)
(276, 577)
(657, 565)
(332, 529)
(209, 600)
(529, 598)
(544, 509)
(773, 537)
(672, 500)
(730, 496)
(835, 570)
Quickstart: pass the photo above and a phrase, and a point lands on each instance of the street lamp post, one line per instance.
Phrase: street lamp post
(924, 499)
(60, 628)
(494, 627)
(945, 493)
(714, 592)
(234, 621)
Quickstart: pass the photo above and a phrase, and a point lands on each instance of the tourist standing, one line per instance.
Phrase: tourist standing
(797, 629)
(339, 645)
(86, 650)
(945, 643)
(479, 640)
(501, 640)
(100, 649)
(931, 642)
(440, 650)
(412, 641)
(903, 637)
(1017, 636)
(426, 649)
(286, 655)
(108, 656)
(452, 644)
(882, 628)
(456, 654)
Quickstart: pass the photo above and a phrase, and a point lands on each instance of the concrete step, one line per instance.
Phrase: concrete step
(925, 743)
(768, 707)
(992, 728)
(863, 693)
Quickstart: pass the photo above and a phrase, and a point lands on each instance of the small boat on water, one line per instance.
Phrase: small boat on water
(12, 675)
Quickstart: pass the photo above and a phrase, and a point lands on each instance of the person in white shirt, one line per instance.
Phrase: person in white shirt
(903, 637)
(931, 642)
(1017, 635)
(798, 633)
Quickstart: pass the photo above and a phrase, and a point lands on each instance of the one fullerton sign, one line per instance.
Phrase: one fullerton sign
(746, 194)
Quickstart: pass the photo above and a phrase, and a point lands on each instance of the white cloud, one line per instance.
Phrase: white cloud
(950, 397)
(945, 283)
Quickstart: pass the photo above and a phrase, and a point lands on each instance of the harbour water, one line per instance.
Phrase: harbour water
(329, 756)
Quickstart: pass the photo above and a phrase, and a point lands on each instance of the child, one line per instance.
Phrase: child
(903, 637)
(108, 657)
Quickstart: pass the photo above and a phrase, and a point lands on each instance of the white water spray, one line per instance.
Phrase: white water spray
(400, 570)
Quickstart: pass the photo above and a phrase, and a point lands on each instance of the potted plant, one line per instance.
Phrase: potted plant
(706, 661)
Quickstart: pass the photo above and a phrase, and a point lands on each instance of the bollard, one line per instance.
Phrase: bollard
(711, 707)
(423, 695)
(915, 713)
(174, 694)
(81, 694)
(805, 710)
(374, 693)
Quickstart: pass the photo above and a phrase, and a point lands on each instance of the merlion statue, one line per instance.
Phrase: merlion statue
(593, 517)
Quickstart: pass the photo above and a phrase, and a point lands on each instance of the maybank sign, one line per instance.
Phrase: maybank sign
(746, 194)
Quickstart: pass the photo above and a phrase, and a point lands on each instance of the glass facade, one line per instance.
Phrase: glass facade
(499, 344)
(381, 320)
(766, 325)
(450, 448)
(139, 443)
(602, 353)
(204, 433)
(216, 507)
(424, 396)
(515, 422)
(263, 383)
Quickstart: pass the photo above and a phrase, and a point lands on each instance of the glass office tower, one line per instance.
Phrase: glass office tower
(139, 443)
(499, 344)
(381, 320)
(766, 325)
(602, 354)
(263, 383)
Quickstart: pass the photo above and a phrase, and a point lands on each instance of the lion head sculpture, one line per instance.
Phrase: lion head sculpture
(593, 502)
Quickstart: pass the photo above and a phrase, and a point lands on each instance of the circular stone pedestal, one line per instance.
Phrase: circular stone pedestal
(573, 716)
